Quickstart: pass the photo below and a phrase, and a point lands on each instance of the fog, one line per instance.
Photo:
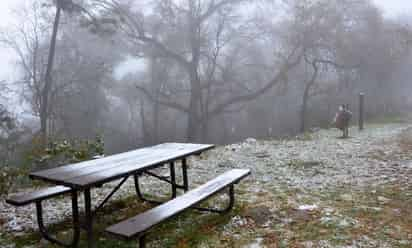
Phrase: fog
(197, 71)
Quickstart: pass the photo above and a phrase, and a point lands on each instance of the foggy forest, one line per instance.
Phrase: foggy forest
(207, 71)
(101, 77)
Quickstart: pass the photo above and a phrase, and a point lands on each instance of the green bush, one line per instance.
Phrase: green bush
(8, 177)
(58, 152)
(62, 152)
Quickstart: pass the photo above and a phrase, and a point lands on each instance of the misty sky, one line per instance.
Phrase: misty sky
(395, 7)
(391, 8)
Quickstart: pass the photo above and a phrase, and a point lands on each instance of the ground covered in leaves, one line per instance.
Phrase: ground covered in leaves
(315, 190)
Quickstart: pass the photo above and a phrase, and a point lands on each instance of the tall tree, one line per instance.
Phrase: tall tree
(44, 106)
(198, 36)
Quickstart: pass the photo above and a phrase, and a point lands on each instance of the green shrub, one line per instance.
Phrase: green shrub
(60, 152)
(8, 177)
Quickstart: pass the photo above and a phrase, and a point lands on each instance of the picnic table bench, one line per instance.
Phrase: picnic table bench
(82, 177)
(138, 225)
(36, 196)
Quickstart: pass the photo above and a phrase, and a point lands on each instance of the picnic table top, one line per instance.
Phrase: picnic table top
(94, 172)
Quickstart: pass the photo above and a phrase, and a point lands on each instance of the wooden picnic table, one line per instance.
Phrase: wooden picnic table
(82, 177)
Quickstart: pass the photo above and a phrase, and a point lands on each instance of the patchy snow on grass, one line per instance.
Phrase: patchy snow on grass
(316, 191)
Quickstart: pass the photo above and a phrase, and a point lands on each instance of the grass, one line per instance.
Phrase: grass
(388, 119)
(405, 140)
(188, 229)
(355, 213)
(384, 223)
(363, 215)
(301, 164)
(306, 136)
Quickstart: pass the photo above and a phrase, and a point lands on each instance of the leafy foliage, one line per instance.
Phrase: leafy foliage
(61, 152)
(10, 136)
(7, 122)
(57, 153)
(8, 176)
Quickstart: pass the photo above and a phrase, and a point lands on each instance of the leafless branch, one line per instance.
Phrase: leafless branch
(169, 104)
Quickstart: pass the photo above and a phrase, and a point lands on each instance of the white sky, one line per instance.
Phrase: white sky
(391, 8)
(6, 57)
(395, 7)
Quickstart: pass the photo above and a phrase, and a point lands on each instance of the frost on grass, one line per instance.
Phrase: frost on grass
(305, 192)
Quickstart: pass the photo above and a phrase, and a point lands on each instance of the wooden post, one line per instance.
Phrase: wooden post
(361, 110)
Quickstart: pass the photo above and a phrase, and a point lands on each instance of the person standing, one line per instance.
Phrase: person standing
(342, 119)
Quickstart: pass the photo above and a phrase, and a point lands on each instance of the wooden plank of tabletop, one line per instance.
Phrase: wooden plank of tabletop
(110, 174)
(91, 163)
(106, 161)
(135, 159)
(111, 167)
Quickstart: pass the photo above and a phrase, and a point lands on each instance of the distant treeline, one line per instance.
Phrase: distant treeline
(214, 71)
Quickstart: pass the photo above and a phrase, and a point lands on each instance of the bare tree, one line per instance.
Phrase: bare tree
(25, 39)
(195, 35)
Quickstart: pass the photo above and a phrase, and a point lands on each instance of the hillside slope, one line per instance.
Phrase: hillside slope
(312, 191)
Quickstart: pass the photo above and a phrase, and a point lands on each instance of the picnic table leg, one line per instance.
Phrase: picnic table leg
(184, 172)
(76, 225)
(89, 218)
(107, 198)
(137, 187)
(142, 241)
(173, 179)
(139, 192)
(231, 198)
(231, 194)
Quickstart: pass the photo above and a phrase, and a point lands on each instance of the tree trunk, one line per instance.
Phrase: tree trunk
(156, 78)
(195, 88)
(44, 107)
(303, 112)
(145, 131)
(156, 115)
(305, 99)
(205, 129)
(192, 125)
